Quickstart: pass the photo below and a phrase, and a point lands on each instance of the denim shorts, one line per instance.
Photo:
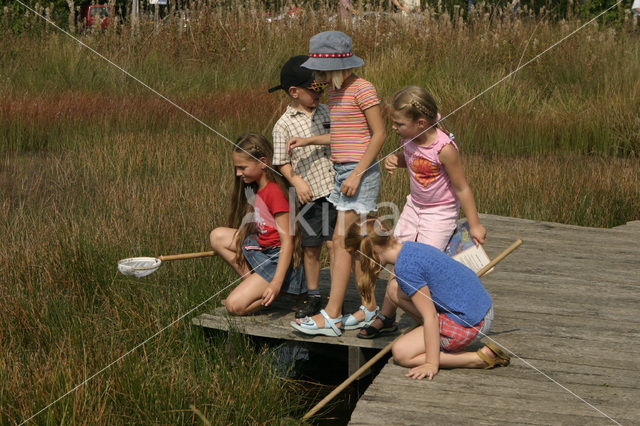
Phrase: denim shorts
(366, 196)
(264, 260)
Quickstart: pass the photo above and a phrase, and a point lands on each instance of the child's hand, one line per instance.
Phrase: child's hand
(270, 293)
(295, 143)
(302, 191)
(420, 372)
(478, 234)
(350, 184)
(391, 163)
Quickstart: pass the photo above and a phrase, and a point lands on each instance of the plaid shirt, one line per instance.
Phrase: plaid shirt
(310, 162)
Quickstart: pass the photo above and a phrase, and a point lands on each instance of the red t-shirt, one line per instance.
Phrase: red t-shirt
(269, 201)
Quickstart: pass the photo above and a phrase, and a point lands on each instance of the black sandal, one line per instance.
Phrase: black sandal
(388, 326)
(311, 306)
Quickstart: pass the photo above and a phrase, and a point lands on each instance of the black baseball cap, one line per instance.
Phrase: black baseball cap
(292, 74)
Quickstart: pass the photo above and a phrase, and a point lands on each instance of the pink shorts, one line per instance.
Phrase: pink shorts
(431, 225)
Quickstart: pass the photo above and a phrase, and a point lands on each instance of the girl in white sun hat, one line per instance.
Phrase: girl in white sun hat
(356, 137)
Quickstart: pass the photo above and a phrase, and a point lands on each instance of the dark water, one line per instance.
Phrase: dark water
(326, 365)
(320, 367)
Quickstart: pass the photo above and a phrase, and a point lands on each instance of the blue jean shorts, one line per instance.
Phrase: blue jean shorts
(264, 260)
(366, 196)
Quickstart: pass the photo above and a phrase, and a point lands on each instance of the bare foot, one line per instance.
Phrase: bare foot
(359, 314)
(495, 354)
(489, 353)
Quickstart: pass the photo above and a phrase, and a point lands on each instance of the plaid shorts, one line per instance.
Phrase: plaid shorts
(455, 337)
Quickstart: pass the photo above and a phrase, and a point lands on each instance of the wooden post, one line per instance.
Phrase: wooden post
(357, 360)
(135, 11)
(156, 15)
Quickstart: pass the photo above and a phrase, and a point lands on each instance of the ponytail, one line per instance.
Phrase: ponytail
(359, 241)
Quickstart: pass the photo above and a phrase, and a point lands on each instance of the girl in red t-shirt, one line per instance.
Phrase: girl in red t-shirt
(258, 244)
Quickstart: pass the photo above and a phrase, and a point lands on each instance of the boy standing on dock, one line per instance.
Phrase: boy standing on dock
(308, 169)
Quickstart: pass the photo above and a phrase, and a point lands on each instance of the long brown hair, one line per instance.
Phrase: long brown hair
(255, 146)
(359, 241)
(414, 102)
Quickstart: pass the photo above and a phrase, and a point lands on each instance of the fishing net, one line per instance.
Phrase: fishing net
(139, 266)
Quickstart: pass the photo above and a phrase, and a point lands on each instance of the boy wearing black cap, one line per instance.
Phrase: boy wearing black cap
(308, 169)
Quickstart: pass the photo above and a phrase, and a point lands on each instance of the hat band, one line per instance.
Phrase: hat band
(331, 55)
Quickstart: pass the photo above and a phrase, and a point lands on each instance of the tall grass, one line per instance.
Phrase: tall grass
(580, 97)
(95, 168)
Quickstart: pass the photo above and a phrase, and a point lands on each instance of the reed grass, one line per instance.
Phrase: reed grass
(95, 168)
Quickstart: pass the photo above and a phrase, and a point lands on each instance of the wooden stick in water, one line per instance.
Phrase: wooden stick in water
(387, 348)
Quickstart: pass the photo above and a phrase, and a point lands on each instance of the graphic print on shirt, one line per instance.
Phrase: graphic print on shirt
(426, 171)
(262, 216)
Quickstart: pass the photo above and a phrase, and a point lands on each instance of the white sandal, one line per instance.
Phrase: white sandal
(349, 322)
(309, 326)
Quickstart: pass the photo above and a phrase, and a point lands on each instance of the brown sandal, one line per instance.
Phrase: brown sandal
(502, 358)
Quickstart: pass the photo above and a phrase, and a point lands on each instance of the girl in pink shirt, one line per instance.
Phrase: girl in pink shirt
(437, 182)
(356, 136)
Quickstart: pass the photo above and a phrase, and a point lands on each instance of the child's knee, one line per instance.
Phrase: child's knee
(337, 241)
(392, 291)
(312, 253)
(399, 354)
(216, 237)
(235, 307)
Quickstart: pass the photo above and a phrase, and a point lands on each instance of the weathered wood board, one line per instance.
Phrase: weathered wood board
(275, 322)
(567, 303)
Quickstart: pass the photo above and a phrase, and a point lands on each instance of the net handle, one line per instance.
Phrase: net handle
(186, 255)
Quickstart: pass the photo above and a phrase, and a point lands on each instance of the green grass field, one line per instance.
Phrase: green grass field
(94, 168)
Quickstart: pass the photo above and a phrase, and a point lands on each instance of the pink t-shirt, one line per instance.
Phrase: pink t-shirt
(429, 181)
(350, 132)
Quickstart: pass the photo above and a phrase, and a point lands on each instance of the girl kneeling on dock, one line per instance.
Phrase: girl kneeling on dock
(441, 294)
(258, 244)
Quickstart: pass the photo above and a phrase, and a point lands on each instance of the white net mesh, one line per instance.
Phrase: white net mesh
(139, 266)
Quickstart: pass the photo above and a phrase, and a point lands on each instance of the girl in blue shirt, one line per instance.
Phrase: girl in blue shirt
(442, 295)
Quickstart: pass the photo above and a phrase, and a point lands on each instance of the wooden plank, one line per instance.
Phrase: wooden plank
(507, 224)
(275, 324)
(278, 330)
(567, 304)
(515, 396)
(633, 226)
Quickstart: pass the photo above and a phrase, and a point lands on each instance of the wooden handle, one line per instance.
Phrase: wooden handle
(499, 257)
(387, 348)
(186, 255)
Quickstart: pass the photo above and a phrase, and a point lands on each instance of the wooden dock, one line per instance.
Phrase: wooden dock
(274, 323)
(567, 303)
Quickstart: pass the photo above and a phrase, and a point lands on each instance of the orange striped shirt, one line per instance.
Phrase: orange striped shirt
(350, 132)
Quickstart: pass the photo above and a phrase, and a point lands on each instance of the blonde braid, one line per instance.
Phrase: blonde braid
(416, 102)
(418, 105)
